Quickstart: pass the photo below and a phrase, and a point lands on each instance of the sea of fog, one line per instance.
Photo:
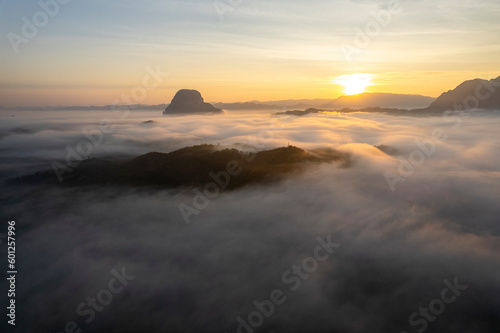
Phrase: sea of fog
(408, 242)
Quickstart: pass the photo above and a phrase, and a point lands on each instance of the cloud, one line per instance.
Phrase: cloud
(396, 248)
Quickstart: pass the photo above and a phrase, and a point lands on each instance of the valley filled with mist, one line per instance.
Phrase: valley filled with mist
(401, 206)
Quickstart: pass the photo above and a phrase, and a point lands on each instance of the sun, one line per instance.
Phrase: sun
(354, 83)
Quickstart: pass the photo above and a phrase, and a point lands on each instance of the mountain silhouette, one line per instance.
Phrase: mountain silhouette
(189, 101)
(471, 94)
(190, 167)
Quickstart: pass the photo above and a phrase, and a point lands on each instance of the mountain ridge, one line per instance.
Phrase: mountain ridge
(487, 93)
(470, 94)
(190, 167)
(367, 99)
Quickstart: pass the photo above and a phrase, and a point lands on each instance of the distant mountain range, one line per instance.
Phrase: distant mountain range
(383, 100)
(471, 94)
(477, 93)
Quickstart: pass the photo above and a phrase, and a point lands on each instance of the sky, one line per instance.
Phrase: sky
(94, 52)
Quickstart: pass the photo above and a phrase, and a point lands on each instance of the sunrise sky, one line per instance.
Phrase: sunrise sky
(91, 52)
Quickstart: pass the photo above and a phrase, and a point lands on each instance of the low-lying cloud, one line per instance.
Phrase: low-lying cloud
(396, 248)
